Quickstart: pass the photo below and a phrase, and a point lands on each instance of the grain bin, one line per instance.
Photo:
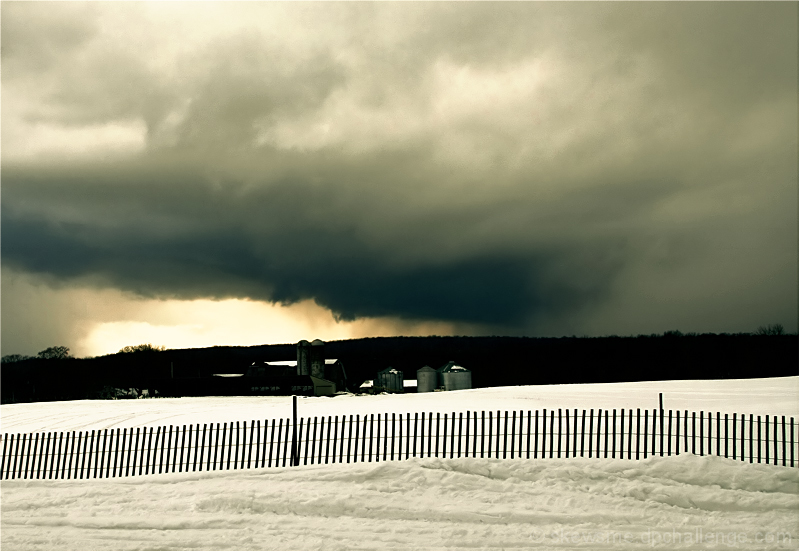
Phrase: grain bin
(426, 379)
(456, 377)
(389, 380)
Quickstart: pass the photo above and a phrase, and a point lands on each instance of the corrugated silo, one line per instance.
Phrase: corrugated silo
(317, 358)
(390, 380)
(456, 377)
(426, 379)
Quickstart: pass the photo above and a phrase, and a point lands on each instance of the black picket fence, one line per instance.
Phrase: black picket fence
(558, 433)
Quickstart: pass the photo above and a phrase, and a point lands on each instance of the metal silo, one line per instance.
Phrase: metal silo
(303, 361)
(390, 380)
(426, 379)
(456, 377)
(317, 358)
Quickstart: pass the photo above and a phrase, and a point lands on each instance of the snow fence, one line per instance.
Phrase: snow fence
(351, 438)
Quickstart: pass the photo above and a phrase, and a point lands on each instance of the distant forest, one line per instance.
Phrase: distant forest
(494, 361)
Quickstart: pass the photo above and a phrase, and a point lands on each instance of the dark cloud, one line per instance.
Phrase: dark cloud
(526, 167)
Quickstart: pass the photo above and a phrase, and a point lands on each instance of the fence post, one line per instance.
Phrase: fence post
(591, 430)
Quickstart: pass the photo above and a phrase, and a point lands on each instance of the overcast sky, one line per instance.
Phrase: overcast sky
(245, 173)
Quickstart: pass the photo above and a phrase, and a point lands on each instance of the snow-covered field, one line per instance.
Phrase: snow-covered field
(683, 502)
(773, 396)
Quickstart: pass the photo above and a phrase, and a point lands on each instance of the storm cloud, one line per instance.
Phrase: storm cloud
(540, 168)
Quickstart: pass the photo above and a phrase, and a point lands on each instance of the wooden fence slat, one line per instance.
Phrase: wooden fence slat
(71, 456)
(741, 442)
(719, 435)
(758, 440)
(358, 434)
(27, 455)
(646, 412)
(583, 431)
(201, 444)
(286, 440)
(521, 415)
(408, 435)
(560, 429)
(163, 444)
(686, 431)
(591, 430)
(3, 461)
(116, 445)
(77, 461)
(775, 439)
(613, 433)
(444, 438)
(60, 456)
(654, 432)
(535, 434)
(453, 432)
(191, 453)
(599, 423)
(226, 445)
(328, 441)
(58, 453)
(783, 441)
(341, 440)
(385, 435)
(490, 434)
(513, 430)
(791, 441)
(436, 450)
(483, 430)
(505, 435)
(710, 431)
(15, 448)
(145, 456)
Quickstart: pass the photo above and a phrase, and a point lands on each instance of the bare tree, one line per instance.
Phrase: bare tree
(59, 351)
(772, 329)
(144, 347)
